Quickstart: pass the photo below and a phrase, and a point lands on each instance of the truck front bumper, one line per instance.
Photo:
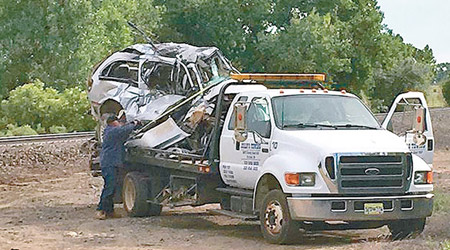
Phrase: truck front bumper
(352, 208)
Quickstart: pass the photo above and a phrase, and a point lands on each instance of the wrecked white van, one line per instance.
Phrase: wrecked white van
(144, 80)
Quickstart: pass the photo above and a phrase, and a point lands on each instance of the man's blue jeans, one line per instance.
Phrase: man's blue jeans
(106, 203)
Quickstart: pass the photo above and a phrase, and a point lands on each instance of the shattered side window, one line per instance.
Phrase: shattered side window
(159, 76)
(192, 69)
(222, 69)
(212, 68)
(122, 70)
(166, 78)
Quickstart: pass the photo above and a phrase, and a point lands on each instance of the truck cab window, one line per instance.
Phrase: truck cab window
(404, 116)
(231, 122)
(258, 117)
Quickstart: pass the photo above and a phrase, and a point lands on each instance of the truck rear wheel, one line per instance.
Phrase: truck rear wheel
(135, 193)
(276, 224)
(402, 229)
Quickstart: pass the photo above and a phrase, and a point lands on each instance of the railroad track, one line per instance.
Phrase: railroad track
(87, 135)
(45, 138)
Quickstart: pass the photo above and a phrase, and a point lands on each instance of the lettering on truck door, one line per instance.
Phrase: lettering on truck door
(241, 162)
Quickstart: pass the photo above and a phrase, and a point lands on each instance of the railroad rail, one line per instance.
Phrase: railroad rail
(46, 138)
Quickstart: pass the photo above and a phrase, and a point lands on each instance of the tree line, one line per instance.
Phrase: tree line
(57, 42)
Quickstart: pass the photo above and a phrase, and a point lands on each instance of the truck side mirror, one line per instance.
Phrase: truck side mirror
(240, 121)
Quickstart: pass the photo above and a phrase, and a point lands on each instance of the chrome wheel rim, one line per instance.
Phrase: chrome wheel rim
(273, 217)
(130, 194)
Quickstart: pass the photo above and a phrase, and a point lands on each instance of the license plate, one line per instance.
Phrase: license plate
(373, 208)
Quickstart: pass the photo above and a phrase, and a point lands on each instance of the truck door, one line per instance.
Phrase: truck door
(409, 118)
(241, 162)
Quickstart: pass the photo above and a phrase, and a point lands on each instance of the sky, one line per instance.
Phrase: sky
(420, 22)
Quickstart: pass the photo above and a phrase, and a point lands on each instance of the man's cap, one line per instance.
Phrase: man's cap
(111, 118)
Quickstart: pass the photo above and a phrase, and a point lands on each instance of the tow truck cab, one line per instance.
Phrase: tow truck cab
(293, 158)
(319, 159)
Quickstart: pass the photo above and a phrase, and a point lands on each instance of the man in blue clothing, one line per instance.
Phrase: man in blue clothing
(111, 158)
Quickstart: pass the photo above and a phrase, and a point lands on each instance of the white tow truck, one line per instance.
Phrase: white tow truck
(300, 156)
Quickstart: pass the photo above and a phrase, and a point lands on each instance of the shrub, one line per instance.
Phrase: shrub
(14, 130)
(446, 90)
(57, 129)
(47, 110)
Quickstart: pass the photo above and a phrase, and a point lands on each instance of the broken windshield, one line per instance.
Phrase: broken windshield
(321, 111)
(212, 69)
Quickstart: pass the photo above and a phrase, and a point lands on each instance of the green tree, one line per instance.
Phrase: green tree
(443, 78)
(446, 90)
(231, 25)
(59, 41)
(315, 49)
(442, 72)
(406, 75)
(345, 39)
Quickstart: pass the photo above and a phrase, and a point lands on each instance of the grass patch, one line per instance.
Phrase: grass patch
(446, 245)
(441, 202)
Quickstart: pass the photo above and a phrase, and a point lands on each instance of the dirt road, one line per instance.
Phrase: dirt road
(54, 209)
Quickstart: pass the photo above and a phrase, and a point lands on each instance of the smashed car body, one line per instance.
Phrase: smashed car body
(145, 81)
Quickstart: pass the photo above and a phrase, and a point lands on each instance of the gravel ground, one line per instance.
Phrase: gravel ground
(40, 161)
(48, 200)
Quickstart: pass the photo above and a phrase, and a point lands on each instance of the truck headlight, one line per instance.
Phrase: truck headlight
(423, 177)
(300, 179)
(307, 179)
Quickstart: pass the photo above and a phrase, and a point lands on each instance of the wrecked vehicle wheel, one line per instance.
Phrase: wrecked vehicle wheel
(135, 193)
(277, 226)
(403, 229)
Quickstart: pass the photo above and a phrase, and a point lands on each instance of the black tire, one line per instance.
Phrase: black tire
(277, 226)
(135, 193)
(402, 229)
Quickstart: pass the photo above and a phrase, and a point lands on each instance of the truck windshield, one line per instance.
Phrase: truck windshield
(322, 112)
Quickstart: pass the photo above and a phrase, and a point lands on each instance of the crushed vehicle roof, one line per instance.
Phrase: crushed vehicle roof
(147, 81)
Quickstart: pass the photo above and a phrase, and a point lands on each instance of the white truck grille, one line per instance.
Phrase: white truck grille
(374, 173)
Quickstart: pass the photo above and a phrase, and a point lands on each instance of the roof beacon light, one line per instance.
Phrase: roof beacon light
(277, 77)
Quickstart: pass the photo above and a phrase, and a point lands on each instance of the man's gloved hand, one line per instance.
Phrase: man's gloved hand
(137, 124)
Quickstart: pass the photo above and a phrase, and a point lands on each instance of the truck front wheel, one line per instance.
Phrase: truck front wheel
(135, 193)
(402, 229)
(277, 226)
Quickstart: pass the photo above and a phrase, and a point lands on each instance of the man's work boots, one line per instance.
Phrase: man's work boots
(101, 215)
(113, 215)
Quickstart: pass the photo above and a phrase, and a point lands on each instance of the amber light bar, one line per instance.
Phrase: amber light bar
(278, 77)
